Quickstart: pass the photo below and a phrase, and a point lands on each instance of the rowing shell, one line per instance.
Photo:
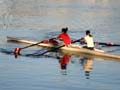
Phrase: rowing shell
(73, 49)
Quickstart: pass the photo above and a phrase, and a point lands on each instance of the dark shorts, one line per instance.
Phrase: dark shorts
(90, 48)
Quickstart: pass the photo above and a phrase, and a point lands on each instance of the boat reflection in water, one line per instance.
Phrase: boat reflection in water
(87, 64)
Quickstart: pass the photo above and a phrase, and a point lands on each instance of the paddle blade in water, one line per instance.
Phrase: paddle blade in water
(17, 52)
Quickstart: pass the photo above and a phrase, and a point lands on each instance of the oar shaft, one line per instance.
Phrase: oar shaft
(100, 43)
(17, 50)
(31, 45)
(51, 50)
(55, 48)
(107, 44)
(34, 44)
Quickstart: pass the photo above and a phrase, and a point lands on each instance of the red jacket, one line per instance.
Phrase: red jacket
(65, 37)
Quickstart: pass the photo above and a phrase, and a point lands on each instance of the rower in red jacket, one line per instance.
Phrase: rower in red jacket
(65, 37)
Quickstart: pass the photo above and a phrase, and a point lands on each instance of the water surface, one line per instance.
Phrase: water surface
(42, 19)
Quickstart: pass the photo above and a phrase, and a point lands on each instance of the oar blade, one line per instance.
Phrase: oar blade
(17, 52)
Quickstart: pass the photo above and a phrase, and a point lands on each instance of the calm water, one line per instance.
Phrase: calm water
(40, 19)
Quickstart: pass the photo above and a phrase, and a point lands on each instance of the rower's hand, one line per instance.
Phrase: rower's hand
(73, 41)
(82, 41)
(53, 41)
(54, 38)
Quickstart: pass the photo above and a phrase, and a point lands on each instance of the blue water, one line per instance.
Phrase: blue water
(42, 19)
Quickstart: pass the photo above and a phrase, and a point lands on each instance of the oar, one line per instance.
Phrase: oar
(55, 48)
(107, 44)
(17, 50)
(100, 43)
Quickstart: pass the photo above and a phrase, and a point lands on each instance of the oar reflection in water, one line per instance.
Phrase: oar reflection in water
(87, 64)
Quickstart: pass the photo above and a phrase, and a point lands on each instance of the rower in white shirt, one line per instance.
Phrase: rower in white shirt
(88, 39)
